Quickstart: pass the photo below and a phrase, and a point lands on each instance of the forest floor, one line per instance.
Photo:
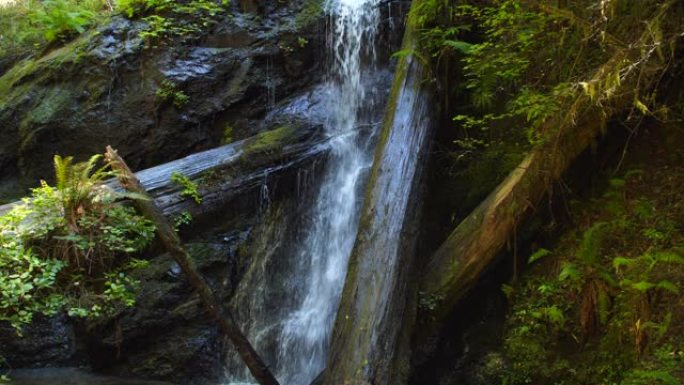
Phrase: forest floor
(602, 304)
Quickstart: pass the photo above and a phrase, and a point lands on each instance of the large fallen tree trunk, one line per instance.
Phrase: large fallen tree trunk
(479, 238)
(370, 339)
(172, 243)
(227, 171)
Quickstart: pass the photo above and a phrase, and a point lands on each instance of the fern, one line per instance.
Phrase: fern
(590, 246)
(539, 254)
(78, 183)
(190, 188)
(460, 46)
(60, 18)
(570, 271)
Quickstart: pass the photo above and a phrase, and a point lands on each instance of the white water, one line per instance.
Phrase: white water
(303, 329)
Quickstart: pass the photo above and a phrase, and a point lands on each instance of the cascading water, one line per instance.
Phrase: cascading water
(297, 338)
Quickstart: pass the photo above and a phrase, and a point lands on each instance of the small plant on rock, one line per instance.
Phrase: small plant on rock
(190, 188)
(169, 91)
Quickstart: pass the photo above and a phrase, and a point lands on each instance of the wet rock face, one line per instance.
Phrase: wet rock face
(168, 335)
(111, 87)
(47, 341)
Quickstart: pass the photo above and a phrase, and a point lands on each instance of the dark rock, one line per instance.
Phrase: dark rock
(47, 341)
(168, 334)
(101, 89)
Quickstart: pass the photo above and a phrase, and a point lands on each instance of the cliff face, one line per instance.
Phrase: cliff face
(154, 100)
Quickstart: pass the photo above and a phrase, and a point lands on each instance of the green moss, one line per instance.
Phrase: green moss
(268, 141)
(227, 134)
(53, 102)
(310, 14)
(29, 73)
(15, 76)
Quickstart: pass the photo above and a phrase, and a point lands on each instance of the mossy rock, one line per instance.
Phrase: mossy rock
(311, 12)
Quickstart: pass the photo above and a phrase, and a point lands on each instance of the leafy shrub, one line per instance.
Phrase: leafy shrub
(27, 25)
(61, 18)
(610, 293)
(167, 18)
(26, 282)
(69, 247)
(133, 8)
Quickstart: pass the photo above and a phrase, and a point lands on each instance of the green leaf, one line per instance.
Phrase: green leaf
(619, 262)
(641, 107)
(642, 286)
(554, 314)
(569, 271)
(403, 53)
(461, 46)
(669, 286)
(537, 255)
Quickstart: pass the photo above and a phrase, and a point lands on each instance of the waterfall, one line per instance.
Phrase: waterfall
(295, 340)
(324, 253)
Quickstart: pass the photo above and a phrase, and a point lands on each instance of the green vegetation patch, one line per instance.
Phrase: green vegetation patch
(168, 91)
(604, 306)
(311, 12)
(29, 26)
(190, 188)
(269, 141)
(168, 18)
(70, 247)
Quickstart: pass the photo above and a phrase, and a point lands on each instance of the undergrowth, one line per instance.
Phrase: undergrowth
(167, 18)
(70, 247)
(30, 25)
(508, 71)
(604, 306)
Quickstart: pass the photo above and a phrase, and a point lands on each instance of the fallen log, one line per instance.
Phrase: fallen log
(475, 243)
(172, 243)
(370, 339)
(227, 171)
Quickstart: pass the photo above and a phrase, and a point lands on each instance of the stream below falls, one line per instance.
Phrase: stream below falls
(292, 332)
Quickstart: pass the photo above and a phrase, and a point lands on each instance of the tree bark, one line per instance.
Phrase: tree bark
(479, 238)
(225, 172)
(172, 243)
